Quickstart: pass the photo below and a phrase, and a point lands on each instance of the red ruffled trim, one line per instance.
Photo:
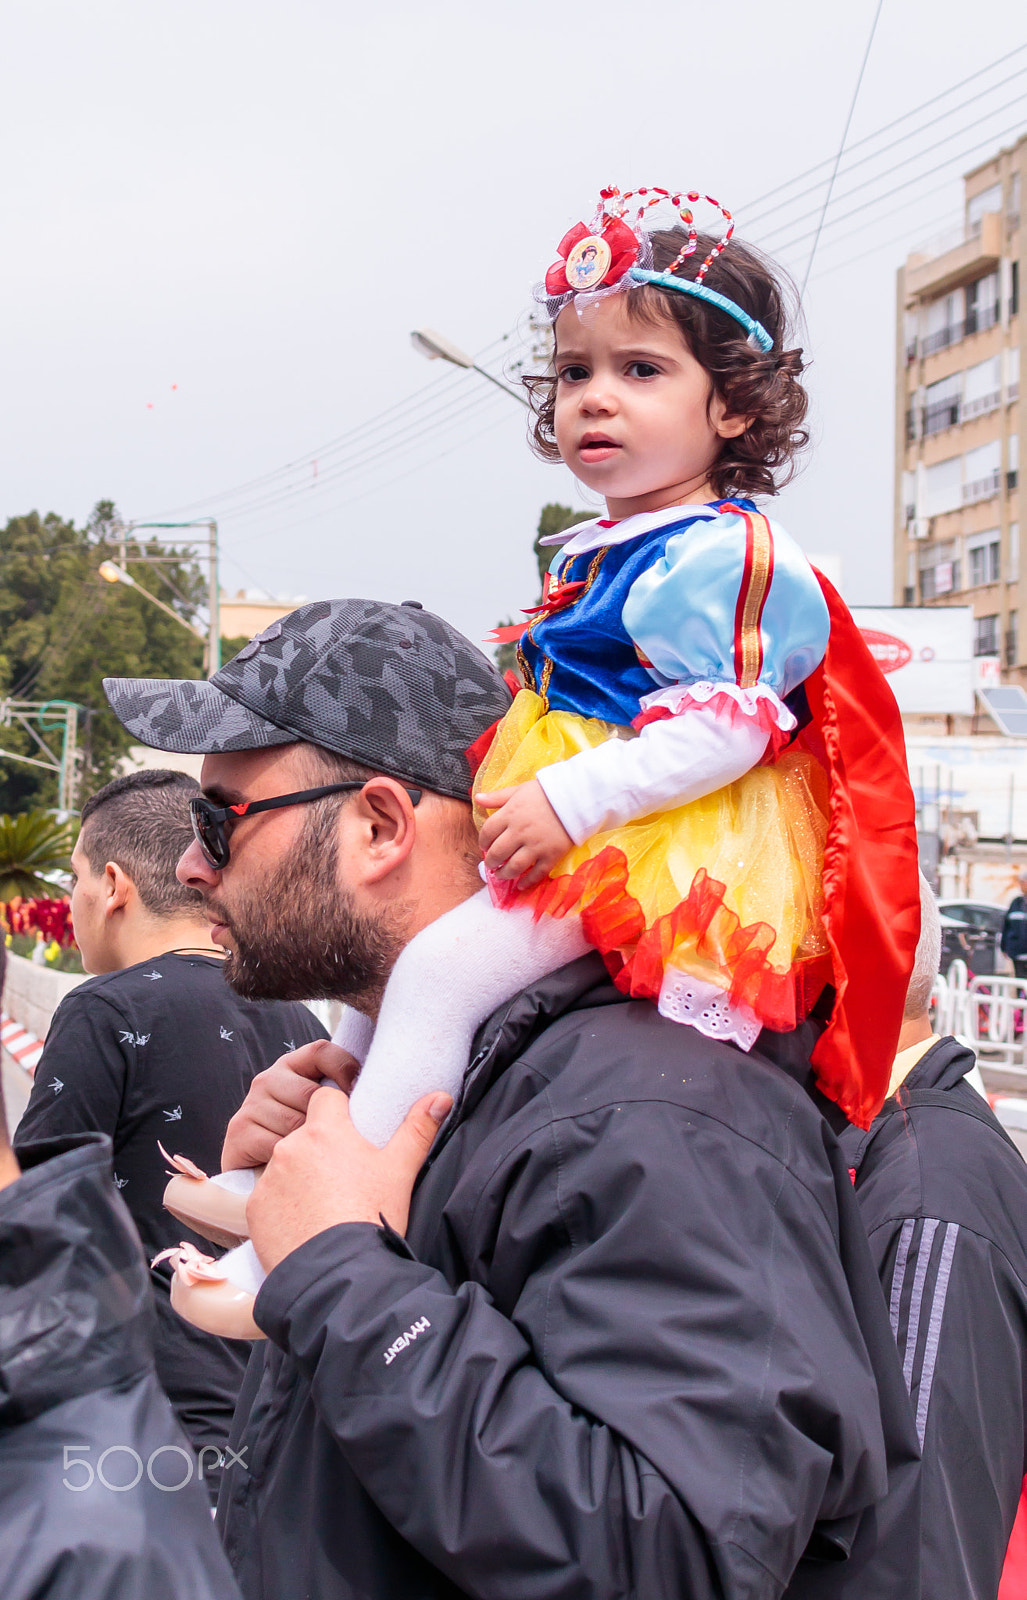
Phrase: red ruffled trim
(726, 707)
(637, 958)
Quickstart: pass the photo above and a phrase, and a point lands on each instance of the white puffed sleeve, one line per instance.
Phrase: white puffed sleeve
(733, 608)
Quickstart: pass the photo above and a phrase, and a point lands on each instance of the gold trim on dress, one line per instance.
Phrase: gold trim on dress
(759, 564)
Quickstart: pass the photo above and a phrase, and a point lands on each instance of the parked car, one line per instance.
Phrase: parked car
(971, 930)
(982, 913)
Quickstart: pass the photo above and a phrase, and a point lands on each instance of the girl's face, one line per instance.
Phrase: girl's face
(634, 415)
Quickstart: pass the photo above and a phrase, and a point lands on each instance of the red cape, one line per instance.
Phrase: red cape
(871, 882)
(1014, 1574)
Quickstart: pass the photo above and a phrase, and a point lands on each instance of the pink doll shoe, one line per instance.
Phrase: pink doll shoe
(214, 1207)
(216, 1296)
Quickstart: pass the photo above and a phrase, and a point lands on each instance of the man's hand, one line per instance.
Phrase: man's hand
(326, 1173)
(277, 1101)
(525, 838)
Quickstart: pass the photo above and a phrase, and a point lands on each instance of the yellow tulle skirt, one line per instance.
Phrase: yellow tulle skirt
(727, 889)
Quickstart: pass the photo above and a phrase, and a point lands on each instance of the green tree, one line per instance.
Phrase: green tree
(30, 845)
(553, 518)
(231, 647)
(64, 630)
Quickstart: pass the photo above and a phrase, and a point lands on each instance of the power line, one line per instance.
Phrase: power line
(903, 138)
(917, 177)
(925, 105)
(396, 477)
(957, 133)
(419, 398)
(878, 245)
(841, 147)
(416, 430)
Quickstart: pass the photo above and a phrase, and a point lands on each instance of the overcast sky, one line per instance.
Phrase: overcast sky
(222, 220)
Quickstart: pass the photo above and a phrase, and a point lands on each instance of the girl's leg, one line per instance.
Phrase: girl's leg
(354, 1033)
(447, 980)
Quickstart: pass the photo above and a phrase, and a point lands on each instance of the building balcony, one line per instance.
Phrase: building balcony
(985, 488)
(983, 404)
(925, 421)
(937, 418)
(974, 258)
(979, 321)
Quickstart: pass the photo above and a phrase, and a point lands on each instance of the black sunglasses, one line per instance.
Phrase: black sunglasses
(209, 821)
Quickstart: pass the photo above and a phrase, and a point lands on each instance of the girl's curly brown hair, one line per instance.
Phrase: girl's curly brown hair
(762, 385)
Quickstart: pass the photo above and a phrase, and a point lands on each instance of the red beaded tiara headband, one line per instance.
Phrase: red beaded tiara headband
(612, 252)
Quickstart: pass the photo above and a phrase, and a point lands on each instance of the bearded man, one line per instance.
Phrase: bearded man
(606, 1324)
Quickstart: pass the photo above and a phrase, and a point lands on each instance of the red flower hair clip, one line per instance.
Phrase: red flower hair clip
(591, 259)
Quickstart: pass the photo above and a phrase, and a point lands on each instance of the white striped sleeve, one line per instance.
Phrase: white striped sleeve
(916, 1303)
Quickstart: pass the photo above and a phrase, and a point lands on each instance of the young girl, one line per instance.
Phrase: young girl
(703, 777)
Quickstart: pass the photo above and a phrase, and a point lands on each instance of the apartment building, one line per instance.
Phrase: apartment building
(959, 417)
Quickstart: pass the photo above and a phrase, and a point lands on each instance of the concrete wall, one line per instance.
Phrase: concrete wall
(32, 994)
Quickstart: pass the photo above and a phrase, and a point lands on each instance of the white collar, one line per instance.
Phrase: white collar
(587, 536)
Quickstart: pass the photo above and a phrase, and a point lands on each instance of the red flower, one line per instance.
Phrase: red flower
(623, 247)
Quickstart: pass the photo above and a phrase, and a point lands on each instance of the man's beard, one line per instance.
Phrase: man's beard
(300, 938)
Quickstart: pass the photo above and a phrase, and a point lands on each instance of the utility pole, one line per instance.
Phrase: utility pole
(47, 714)
(213, 604)
(117, 572)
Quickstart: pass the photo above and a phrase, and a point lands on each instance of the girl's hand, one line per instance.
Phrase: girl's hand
(525, 838)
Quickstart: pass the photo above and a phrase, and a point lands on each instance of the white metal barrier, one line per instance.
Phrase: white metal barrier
(939, 1007)
(991, 1013)
(948, 1000)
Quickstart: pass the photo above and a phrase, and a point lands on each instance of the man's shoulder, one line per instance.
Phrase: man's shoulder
(100, 992)
(141, 974)
(629, 1055)
(940, 1152)
(160, 984)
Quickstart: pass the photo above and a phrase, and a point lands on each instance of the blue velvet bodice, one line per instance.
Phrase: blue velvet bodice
(660, 609)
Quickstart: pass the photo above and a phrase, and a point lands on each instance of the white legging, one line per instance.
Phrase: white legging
(447, 980)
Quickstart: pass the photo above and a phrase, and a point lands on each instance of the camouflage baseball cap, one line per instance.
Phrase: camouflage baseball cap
(393, 687)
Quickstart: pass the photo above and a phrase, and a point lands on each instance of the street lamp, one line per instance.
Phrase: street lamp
(436, 347)
(110, 572)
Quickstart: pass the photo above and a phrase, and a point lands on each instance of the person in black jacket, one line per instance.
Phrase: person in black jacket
(943, 1192)
(100, 1496)
(617, 1330)
(1014, 929)
(156, 1049)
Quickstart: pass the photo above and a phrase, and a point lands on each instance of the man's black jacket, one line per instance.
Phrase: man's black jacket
(636, 1344)
(1014, 929)
(91, 1456)
(944, 1196)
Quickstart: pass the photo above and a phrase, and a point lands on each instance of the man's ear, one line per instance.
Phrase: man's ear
(117, 886)
(388, 827)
